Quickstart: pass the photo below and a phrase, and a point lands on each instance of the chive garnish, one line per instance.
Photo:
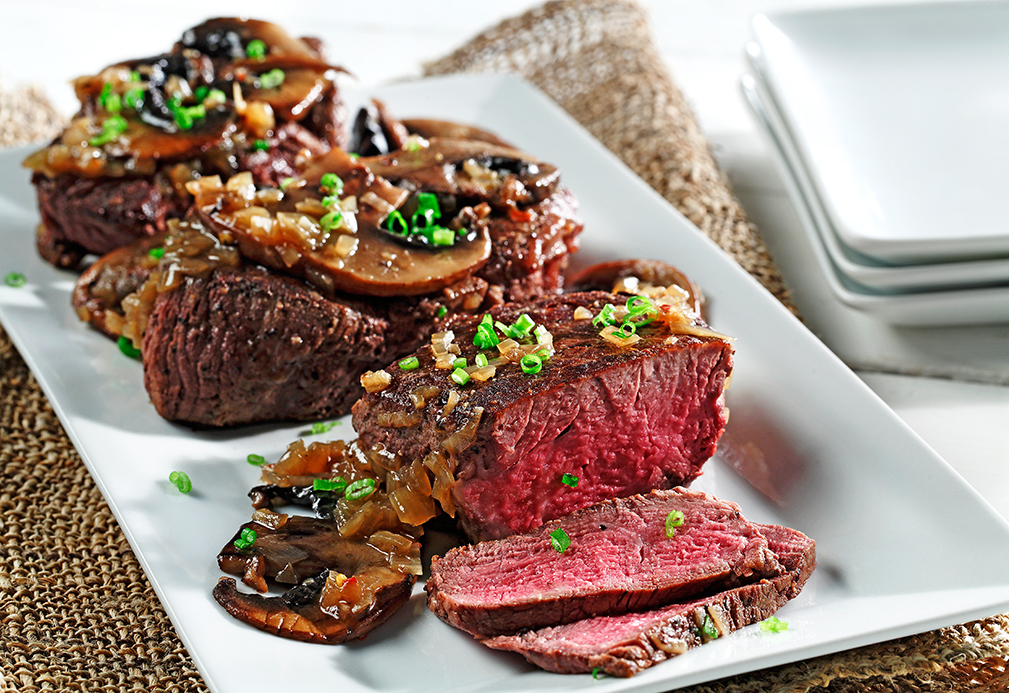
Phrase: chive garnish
(531, 364)
(409, 363)
(773, 624)
(156, 253)
(201, 92)
(15, 279)
(625, 330)
(605, 316)
(459, 362)
(182, 481)
(522, 327)
(569, 480)
(255, 459)
(397, 224)
(330, 221)
(338, 484)
(261, 145)
(674, 519)
(362, 488)
(134, 76)
(330, 183)
(560, 540)
(323, 426)
(125, 345)
(480, 360)
(246, 538)
(441, 312)
(708, 627)
(255, 49)
(459, 376)
(112, 128)
(272, 79)
(133, 98)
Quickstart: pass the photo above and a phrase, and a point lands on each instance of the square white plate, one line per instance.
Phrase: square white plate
(857, 267)
(926, 308)
(905, 545)
(900, 112)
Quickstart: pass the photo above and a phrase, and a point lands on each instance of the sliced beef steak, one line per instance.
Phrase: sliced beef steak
(620, 419)
(625, 644)
(620, 559)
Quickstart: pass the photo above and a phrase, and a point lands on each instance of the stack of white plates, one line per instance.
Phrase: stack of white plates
(891, 128)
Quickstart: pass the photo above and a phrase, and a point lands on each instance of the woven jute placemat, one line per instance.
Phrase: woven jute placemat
(77, 612)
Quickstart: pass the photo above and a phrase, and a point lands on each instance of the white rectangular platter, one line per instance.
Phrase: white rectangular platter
(904, 544)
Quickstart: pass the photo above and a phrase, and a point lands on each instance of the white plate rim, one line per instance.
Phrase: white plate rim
(737, 300)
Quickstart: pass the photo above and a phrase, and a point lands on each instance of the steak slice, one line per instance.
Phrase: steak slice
(620, 559)
(621, 419)
(624, 645)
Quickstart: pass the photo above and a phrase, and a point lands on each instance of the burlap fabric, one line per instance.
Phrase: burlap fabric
(77, 612)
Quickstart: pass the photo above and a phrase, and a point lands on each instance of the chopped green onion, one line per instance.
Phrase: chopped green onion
(412, 146)
(441, 312)
(182, 481)
(708, 627)
(255, 459)
(186, 116)
(605, 317)
(531, 364)
(485, 337)
(569, 480)
(272, 79)
(355, 156)
(261, 145)
(246, 538)
(15, 279)
(112, 128)
(773, 625)
(109, 100)
(156, 253)
(480, 360)
(133, 98)
(459, 376)
(362, 488)
(459, 362)
(641, 311)
(397, 224)
(126, 346)
(541, 333)
(560, 540)
(442, 236)
(201, 93)
(339, 484)
(674, 519)
(331, 220)
(522, 327)
(134, 76)
(255, 49)
(330, 200)
(323, 426)
(543, 355)
(286, 182)
(625, 330)
(595, 673)
(215, 97)
(409, 363)
(330, 183)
